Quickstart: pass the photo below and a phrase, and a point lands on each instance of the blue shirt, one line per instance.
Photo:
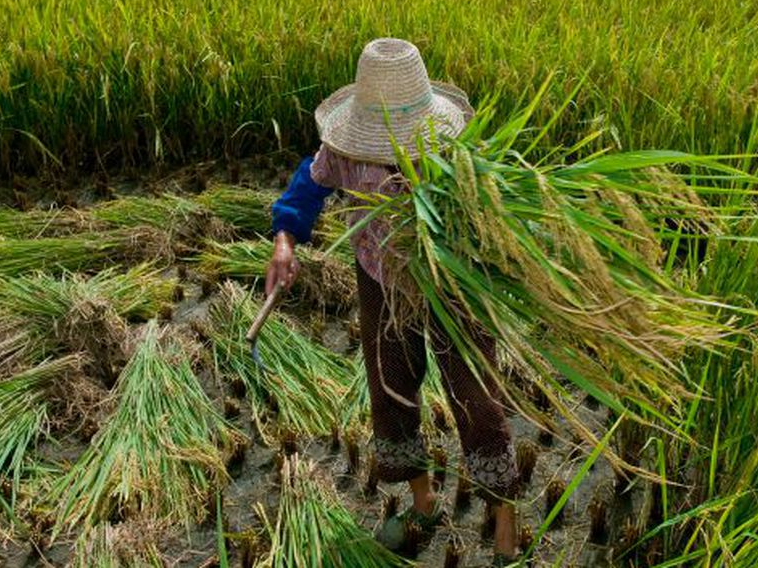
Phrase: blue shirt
(297, 210)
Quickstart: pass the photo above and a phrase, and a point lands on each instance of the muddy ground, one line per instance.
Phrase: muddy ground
(254, 481)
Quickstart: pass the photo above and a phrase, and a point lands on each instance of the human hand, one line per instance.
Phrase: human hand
(283, 266)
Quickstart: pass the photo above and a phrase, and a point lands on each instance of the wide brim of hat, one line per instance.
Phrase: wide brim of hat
(365, 136)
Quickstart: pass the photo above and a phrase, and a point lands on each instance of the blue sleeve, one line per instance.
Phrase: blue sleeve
(298, 208)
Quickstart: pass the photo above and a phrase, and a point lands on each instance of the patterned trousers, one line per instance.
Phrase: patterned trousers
(396, 364)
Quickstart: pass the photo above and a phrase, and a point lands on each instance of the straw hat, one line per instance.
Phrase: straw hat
(391, 77)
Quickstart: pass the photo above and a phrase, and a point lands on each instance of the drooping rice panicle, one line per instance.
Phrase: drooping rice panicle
(24, 404)
(568, 278)
(314, 529)
(303, 382)
(160, 453)
(325, 281)
(83, 251)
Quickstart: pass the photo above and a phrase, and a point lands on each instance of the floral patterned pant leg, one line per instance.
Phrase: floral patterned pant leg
(396, 364)
(480, 416)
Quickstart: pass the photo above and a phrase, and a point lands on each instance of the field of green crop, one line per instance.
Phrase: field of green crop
(136, 431)
(140, 81)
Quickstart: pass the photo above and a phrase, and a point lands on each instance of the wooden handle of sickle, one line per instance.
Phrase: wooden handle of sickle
(260, 319)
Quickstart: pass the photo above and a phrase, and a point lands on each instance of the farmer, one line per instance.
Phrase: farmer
(356, 154)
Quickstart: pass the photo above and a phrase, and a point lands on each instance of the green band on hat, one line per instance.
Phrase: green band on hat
(401, 108)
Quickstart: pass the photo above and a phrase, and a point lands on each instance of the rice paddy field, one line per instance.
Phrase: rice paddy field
(599, 219)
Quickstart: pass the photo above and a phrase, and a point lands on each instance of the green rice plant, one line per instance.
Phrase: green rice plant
(713, 523)
(314, 529)
(24, 404)
(84, 251)
(302, 383)
(325, 281)
(160, 453)
(146, 83)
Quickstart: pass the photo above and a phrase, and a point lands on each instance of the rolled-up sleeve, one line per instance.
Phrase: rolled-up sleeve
(298, 208)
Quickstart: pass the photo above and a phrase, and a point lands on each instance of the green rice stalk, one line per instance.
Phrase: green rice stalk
(40, 299)
(24, 405)
(160, 453)
(356, 404)
(76, 82)
(325, 281)
(304, 382)
(721, 472)
(44, 223)
(84, 251)
(186, 221)
(247, 210)
(314, 529)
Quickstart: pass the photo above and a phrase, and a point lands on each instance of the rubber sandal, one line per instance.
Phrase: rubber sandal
(501, 560)
(393, 533)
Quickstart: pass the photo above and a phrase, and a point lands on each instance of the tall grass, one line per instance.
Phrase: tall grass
(104, 83)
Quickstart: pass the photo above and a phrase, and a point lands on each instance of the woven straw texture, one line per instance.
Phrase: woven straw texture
(392, 93)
